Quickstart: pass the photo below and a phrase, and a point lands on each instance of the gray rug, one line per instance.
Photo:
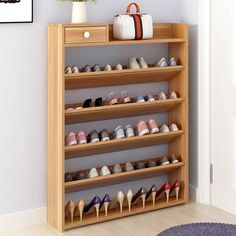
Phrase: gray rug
(201, 229)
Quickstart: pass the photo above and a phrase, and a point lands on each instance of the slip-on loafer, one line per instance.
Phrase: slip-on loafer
(87, 103)
(173, 159)
(70, 139)
(129, 131)
(75, 69)
(164, 161)
(152, 126)
(81, 137)
(151, 163)
(125, 98)
(93, 173)
(172, 62)
(118, 132)
(142, 63)
(173, 95)
(117, 169)
(128, 167)
(68, 70)
(93, 136)
(164, 129)
(98, 102)
(149, 98)
(104, 135)
(119, 67)
(141, 128)
(79, 176)
(139, 98)
(139, 165)
(96, 68)
(173, 127)
(87, 68)
(104, 171)
(112, 99)
(68, 177)
(161, 63)
(108, 68)
(133, 64)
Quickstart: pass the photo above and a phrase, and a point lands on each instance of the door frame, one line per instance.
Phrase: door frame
(203, 193)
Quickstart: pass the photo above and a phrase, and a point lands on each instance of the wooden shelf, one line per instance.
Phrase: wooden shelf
(120, 144)
(124, 77)
(118, 111)
(101, 181)
(115, 213)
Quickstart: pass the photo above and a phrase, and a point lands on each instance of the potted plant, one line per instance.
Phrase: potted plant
(79, 10)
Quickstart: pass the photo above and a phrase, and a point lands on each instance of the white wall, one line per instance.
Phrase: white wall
(23, 92)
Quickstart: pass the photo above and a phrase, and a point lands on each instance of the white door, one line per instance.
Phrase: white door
(223, 93)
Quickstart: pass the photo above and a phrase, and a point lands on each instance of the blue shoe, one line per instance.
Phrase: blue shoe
(118, 133)
(94, 203)
(105, 201)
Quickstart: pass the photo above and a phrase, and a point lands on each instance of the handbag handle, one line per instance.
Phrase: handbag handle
(136, 6)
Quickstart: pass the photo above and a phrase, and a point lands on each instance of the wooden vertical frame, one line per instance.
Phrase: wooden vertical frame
(56, 127)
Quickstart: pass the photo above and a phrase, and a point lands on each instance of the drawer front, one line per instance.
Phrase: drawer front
(86, 35)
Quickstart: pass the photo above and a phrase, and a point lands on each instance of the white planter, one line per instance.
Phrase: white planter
(79, 12)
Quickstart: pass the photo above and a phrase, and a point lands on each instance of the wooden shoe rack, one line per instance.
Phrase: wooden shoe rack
(62, 36)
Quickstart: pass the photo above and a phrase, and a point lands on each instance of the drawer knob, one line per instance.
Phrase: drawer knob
(86, 34)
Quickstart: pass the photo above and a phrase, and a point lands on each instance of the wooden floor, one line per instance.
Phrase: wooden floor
(149, 224)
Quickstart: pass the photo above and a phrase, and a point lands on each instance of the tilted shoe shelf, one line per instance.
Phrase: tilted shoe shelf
(84, 184)
(118, 111)
(113, 145)
(62, 36)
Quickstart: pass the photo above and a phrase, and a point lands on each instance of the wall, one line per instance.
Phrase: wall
(23, 93)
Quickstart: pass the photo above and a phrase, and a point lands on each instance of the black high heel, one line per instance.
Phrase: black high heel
(153, 192)
(140, 194)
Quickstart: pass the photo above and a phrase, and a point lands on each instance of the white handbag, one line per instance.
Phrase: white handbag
(133, 26)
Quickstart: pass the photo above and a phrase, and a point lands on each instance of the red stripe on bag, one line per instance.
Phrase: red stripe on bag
(138, 26)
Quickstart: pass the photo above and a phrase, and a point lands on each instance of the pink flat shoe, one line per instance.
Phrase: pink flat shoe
(71, 139)
(152, 126)
(112, 99)
(81, 138)
(125, 98)
(141, 128)
(162, 96)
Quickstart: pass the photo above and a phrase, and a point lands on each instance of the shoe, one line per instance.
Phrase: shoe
(94, 203)
(104, 135)
(149, 98)
(75, 69)
(125, 98)
(69, 210)
(112, 99)
(104, 171)
(173, 127)
(117, 169)
(151, 163)
(142, 63)
(93, 173)
(87, 68)
(93, 137)
(162, 63)
(68, 70)
(129, 131)
(120, 199)
(173, 95)
(172, 62)
(119, 67)
(71, 139)
(68, 177)
(79, 176)
(176, 186)
(128, 167)
(139, 165)
(164, 161)
(141, 128)
(165, 188)
(105, 201)
(173, 159)
(162, 96)
(152, 126)
(108, 68)
(98, 102)
(139, 98)
(133, 64)
(96, 68)
(79, 208)
(118, 133)
(87, 103)
(164, 129)
(81, 138)
(129, 197)
(152, 192)
(140, 194)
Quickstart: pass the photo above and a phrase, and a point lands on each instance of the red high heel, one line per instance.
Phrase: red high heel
(176, 186)
(165, 188)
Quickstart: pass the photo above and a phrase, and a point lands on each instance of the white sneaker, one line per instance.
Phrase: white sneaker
(162, 63)
(119, 67)
(93, 173)
(173, 127)
(164, 129)
(142, 63)
(104, 171)
(133, 64)
(173, 95)
(108, 68)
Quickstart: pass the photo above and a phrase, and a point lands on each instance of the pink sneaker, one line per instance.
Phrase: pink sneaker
(152, 126)
(162, 96)
(81, 138)
(141, 128)
(71, 139)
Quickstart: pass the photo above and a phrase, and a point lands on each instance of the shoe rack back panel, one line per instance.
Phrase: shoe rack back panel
(176, 35)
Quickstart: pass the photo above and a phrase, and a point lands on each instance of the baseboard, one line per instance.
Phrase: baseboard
(23, 218)
(193, 193)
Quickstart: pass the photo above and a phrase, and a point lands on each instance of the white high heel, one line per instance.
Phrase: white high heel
(129, 197)
(120, 199)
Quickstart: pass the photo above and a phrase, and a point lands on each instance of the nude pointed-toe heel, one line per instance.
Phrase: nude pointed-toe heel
(129, 197)
(69, 210)
(120, 199)
(79, 208)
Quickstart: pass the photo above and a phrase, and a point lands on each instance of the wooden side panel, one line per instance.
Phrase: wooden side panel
(180, 114)
(55, 208)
